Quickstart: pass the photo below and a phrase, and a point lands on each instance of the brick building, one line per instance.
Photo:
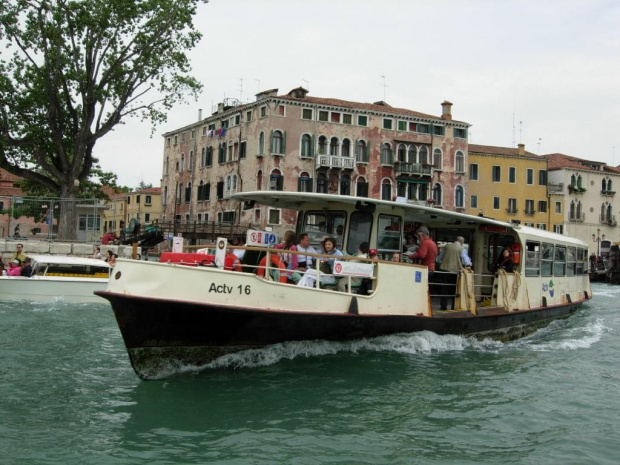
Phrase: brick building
(295, 142)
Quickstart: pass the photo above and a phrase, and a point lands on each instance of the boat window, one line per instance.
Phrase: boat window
(559, 261)
(496, 245)
(360, 226)
(321, 224)
(389, 233)
(546, 261)
(581, 262)
(571, 263)
(532, 258)
(76, 270)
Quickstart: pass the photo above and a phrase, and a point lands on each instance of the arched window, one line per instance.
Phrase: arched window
(304, 183)
(386, 154)
(459, 197)
(306, 146)
(321, 183)
(259, 180)
(188, 192)
(165, 199)
(333, 146)
(437, 197)
(345, 185)
(423, 191)
(277, 142)
(423, 155)
(346, 148)
(361, 187)
(402, 153)
(361, 152)
(386, 189)
(199, 195)
(261, 144)
(182, 167)
(234, 183)
(191, 160)
(459, 162)
(203, 157)
(578, 210)
(412, 154)
(276, 181)
(604, 185)
(167, 164)
(322, 145)
(437, 159)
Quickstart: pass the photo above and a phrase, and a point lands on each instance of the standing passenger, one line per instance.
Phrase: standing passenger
(450, 266)
(427, 252)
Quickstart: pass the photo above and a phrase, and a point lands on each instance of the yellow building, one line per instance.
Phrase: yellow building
(144, 205)
(510, 184)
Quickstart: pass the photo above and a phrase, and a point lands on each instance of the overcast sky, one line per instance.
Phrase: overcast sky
(543, 73)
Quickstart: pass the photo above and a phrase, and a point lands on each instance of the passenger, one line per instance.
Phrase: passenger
(427, 252)
(450, 267)
(362, 252)
(289, 259)
(239, 253)
(465, 260)
(108, 238)
(326, 265)
(14, 268)
(26, 270)
(410, 245)
(19, 254)
(17, 235)
(396, 257)
(97, 252)
(111, 258)
(303, 261)
(505, 261)
(366, 283)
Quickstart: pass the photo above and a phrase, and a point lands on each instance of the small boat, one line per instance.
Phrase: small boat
(186, 312)
(72, 279)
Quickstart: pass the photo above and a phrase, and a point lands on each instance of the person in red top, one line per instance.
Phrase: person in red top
(427, 252)
(107, 238)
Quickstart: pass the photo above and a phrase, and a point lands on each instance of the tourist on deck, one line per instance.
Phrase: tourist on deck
(111, 258)
(326, 265)
(289, 259)
(303, 261)
(465, 260)
(108, 238)
(362, 252)
(427, 251)
(366, 283)
(26, 270)
(505, 261)
(447, 278)
(396, 257)
(237, 241)
(410, 245)
(14, 268)
(19, 254)
(97, 252)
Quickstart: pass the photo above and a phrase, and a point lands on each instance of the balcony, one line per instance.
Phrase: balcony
(608, 219)
(335, 161)
(607, 193)
(577, 217)
(576, 189)
(529, 212)
(423, 169)
(555, 188)
(229, 192)
(512, 211)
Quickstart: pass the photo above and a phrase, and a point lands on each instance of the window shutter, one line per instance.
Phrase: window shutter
(271, 142)
(284, 142)
(313, 142)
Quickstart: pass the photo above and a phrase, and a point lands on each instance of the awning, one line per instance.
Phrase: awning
(413, 181)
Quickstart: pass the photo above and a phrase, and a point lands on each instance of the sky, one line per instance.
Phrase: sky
(542, 73)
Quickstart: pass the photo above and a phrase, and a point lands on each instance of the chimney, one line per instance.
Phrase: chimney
(220, 107)
(446, 110)
(521, 149)
(199, 114)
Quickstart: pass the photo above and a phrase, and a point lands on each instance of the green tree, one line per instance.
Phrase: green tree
(74, 69)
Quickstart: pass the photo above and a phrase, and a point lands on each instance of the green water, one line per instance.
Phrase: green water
(69, 396)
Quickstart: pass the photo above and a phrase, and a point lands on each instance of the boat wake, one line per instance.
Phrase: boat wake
(550, 338)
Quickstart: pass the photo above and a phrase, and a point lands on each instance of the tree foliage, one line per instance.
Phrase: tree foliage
(74, 69)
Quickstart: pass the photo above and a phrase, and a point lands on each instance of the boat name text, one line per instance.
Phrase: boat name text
(224, 289)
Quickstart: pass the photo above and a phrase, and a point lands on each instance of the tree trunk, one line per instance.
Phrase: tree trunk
(67, 221)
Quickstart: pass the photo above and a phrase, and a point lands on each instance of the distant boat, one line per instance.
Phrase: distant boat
(72, 279)
(175, 315)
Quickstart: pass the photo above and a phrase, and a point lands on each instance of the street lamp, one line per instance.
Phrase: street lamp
(598, 238)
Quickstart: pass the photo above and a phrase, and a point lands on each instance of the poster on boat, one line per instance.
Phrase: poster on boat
(359, 270)
(260, 238)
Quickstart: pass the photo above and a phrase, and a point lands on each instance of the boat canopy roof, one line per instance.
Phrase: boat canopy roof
(66, 260)
(411, 212)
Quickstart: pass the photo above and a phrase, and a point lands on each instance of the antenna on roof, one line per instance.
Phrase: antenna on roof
(307, 84)
(241, 89)
(258, 86)
(520, 130)
(384, 86)
(513, 130)
(538, 149)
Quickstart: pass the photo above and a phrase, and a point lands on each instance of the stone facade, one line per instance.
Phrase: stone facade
(295, 142)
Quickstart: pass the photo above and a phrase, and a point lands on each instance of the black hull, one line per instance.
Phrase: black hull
(163, 335)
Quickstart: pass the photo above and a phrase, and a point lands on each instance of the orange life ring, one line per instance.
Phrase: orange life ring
(275, 261)
(232, 262)
(516, 253)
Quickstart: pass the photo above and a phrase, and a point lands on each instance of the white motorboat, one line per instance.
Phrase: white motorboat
(72, 279)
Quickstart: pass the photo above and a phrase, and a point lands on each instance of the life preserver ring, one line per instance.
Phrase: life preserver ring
(275, 261)
(232, 262)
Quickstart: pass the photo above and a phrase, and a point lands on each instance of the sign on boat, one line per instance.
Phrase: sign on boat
(174, 315)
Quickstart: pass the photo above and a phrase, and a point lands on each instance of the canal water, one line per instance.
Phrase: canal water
(68, 395)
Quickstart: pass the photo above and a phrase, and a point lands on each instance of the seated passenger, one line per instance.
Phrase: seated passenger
(14, 268)
(289, 259)
(26, 270)
(326, 267)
